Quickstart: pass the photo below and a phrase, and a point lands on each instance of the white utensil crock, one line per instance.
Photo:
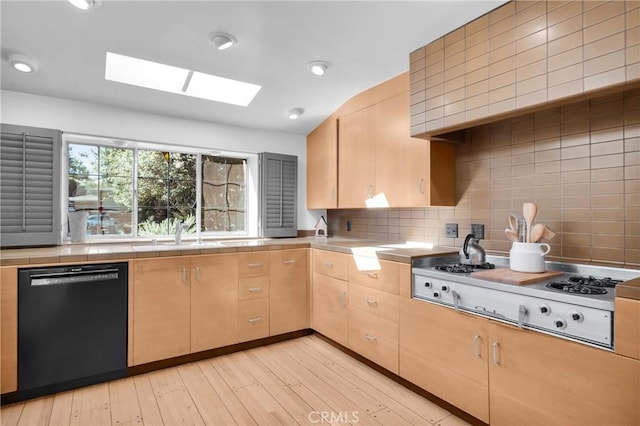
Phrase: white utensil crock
(528, 257)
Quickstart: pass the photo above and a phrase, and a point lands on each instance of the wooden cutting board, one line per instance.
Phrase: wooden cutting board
(507, 276)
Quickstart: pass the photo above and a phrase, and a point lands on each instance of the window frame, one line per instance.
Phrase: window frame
(251, 186)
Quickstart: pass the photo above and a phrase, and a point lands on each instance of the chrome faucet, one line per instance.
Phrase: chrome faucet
(178, 236)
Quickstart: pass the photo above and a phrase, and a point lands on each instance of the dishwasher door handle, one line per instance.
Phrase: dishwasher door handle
(70, 279)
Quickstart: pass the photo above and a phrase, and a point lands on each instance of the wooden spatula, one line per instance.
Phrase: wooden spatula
(537, 232)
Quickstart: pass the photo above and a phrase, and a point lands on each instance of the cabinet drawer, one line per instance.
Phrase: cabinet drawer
(375, 338)
(332, 264)
(374, 301)
(253, 319)
(627, 327)
(253, 264)
(253, 288)
(378, 274)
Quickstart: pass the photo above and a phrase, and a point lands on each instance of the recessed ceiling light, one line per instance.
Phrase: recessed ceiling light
(181, 81)
(295, 113)
(222, 41)
(86, 4)
(22, 63)
(318, 67)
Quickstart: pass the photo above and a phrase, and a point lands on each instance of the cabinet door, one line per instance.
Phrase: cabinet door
(322, 166)
(253, 319)
(214, 301)
(330, 315)
(161, 309)
(540, 379)
(9, 328)
(288, 291)
(356, 158)
(445, 352)
(402, 162)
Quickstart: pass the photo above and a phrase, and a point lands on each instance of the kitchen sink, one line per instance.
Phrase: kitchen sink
(173, 246)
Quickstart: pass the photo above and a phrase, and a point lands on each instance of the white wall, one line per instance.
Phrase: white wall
(101, 120)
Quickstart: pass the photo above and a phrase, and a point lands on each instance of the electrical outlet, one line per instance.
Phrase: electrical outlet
(451, 230)
(477, 230)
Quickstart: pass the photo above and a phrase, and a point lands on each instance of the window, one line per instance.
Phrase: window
(142, 191)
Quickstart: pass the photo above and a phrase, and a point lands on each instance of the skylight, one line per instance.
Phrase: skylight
(181, 81)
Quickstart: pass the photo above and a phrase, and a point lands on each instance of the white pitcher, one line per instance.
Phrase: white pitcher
(528, 257)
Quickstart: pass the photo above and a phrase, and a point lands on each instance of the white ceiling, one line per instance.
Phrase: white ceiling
(366, 43)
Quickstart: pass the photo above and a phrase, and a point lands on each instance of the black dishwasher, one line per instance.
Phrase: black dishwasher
(72, 327)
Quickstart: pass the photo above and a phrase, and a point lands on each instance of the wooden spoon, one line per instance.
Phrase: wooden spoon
(548, 234)
(529, 211)
(511, 234)
(537, 231)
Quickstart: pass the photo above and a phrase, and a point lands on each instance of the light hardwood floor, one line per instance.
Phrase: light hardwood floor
(301, 381)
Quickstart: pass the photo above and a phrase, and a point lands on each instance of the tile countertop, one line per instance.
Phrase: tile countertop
(397, 252)
(67, 253)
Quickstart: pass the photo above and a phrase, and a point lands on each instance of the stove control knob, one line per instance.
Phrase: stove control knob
(545, 310)
(561, 324)
(436, 294)
(577, 316)
(427, 284)
(445, 288)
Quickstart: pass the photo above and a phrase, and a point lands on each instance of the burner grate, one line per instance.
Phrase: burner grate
(462, 268)
(591, 281)
(574, 287)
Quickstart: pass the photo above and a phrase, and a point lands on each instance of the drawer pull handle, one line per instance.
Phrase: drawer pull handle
(255, 289)
(370, 337)
(184, 275)
(496, 359)
(372, 275)
(328, 265)
(343, 299)
(288, 262)
(254, 320)
(198, 273)
(371, 302)
(255, 265)
(476, 346)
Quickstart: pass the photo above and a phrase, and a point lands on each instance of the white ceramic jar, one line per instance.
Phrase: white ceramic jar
(528, 257)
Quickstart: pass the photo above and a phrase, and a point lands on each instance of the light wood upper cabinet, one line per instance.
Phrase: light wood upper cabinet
(9, 328)
(322, 166)
(357, 158)
(540, 379)
(288, 291)
(375, 154)
(214, 301)
(161, 308)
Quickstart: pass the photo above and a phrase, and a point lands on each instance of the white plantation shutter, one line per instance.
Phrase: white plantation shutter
(29, 186)
(278, 195)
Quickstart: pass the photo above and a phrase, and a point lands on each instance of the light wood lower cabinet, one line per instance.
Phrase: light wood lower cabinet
(214, 301)
(253, 319)
(288, 291)
(627, 327)
(9, 329)
(161, 308)
(445, 352)
(330, 304)
(539, 379)
(505, 376)
(374, 337)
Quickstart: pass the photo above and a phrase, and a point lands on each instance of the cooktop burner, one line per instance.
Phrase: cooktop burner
(461, 268)
(583, 285)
